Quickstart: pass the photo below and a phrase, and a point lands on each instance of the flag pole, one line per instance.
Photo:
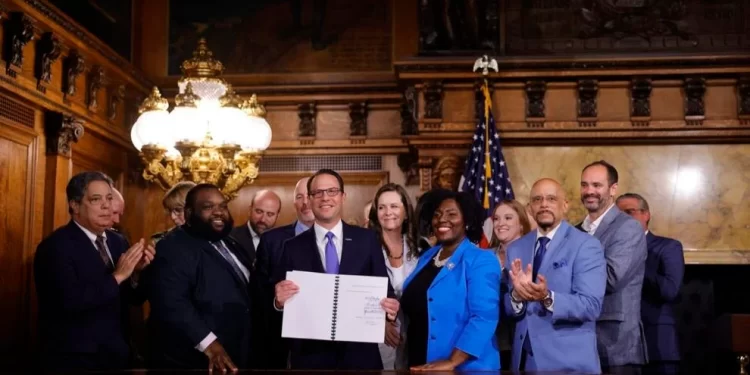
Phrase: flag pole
(485, 64)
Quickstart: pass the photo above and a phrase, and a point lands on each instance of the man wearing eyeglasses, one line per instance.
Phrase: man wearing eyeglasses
(320, 250)
(665, 267)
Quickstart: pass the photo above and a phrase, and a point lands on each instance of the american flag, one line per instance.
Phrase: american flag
(486, 173)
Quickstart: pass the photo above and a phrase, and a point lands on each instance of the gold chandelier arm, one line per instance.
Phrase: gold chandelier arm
(247, 169)
(164, 172)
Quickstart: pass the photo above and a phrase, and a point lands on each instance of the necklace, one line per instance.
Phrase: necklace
(437, 261)
(403, 251)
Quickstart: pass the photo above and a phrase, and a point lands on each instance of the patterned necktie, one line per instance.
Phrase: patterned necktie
(228, 257)
(103, 253)
(332, 257)
(543, 241)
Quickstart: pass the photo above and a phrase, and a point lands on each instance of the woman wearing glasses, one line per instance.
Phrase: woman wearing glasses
(392, 218)
(452, 299)
(174, 205)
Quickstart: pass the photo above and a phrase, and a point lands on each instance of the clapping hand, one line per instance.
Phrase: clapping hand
(524, 288)
(148, 255)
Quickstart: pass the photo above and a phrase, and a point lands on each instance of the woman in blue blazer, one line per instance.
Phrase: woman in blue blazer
(452, 299)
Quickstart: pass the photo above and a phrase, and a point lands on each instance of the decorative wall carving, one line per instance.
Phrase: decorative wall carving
(48, 50)
(409, 112)
(695, 89)
(358, 114)
(73, 66)
(433, 99)
(535, 92)
(116, 96)
(409, 164)
(446, 173)
(62, 130)
(588, 89)
(19, 30)
(307, 113)
(640, 101)
(96, 80)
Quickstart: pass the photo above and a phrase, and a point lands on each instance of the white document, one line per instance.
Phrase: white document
(335, 308)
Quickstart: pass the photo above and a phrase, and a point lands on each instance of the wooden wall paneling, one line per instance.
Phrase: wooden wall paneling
(22, 187)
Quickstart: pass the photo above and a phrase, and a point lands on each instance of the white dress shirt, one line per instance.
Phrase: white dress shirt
(518, 307)
(254, 236)
(321, 240)
(92, 237)
(589, 226)
(211, 337)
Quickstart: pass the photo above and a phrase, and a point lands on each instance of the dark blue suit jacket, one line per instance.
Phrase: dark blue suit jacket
(272, 349)
(193, 290)
(362, 255)
(80, 310)
(665, 267)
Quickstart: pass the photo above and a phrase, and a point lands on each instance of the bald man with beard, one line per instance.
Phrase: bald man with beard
(264, 211)
(558, 275)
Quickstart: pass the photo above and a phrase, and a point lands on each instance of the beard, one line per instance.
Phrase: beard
(594, 206)
(203, 229)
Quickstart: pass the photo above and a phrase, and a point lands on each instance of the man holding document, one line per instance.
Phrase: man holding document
(334, 276)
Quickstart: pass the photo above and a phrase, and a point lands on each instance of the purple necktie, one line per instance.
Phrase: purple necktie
(332, 257)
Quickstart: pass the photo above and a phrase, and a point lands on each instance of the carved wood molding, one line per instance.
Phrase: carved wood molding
(18, 31)
(95, 81)
(116, 96)
(588, 90)
(535, 114)
(48, 50)
(62, 130)
(433, 99)
(410, 112)
(358, 113)
(640, 102)
(73, 65)
(695, 109)
(363, 146)
(743, 100)
(307, 120)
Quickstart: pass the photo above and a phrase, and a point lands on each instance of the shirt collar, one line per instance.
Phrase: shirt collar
(589, 226)
(91, 235)
(252, 232)
(299, 228)
(550, 234)
(320, 232)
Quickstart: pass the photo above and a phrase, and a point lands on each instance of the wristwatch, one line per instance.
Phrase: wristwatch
(513, 297)
(547, 301)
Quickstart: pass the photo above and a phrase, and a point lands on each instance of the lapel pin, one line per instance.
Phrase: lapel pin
(450, 266)
(347, 239)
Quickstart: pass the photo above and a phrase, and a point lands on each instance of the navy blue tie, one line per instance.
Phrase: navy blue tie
(543, 241)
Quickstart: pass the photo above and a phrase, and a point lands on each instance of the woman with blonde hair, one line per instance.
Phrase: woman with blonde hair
(509, 223)
(392, 218)
(174, 205)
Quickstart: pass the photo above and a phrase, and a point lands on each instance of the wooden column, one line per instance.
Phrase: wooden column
(61, 132)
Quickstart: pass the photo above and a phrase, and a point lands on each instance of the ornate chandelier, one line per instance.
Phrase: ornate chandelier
(210, 136)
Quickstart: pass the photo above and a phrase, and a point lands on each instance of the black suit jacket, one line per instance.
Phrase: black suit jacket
(273, 347)
(665, 267)
(242, 235)
(361, 255)
(80, 307)
(193, 291)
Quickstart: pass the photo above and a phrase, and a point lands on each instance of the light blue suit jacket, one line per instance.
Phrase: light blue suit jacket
(576, 272)
(463, 307)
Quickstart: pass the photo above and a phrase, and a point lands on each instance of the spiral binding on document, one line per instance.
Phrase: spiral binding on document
(335, 307)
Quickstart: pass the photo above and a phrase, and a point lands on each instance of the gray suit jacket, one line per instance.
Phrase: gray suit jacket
(619, 331)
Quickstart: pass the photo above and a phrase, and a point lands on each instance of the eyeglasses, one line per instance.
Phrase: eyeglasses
(176, 211)
(332, 192)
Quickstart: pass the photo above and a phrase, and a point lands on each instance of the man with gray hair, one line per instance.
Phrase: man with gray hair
(82, 271)
(665, 267)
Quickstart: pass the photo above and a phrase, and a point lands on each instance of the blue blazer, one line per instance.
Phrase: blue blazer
(665, 267)
(465, 306)
(576, 272)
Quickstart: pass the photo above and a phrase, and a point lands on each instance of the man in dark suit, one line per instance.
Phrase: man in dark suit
(264, 210)
(275, 351)
(199, 292)
(331, 246)
(665, 267)
(619, 331)
(82, 271)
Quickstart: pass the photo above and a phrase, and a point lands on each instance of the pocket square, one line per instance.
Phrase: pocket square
(559, 264)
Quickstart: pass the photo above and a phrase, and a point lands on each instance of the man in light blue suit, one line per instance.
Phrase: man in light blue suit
(558, 276)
